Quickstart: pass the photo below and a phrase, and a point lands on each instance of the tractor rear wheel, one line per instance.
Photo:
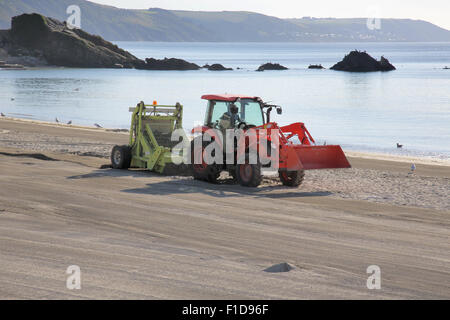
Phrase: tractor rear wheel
(203, 171)
(249, 175)
(292, 178)
(121, 157)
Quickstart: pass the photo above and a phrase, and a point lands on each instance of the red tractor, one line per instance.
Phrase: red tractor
(295, 148)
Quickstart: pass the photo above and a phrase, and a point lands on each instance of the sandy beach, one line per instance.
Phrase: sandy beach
(138, 235)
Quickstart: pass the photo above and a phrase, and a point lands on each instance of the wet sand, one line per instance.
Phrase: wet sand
(137, 234)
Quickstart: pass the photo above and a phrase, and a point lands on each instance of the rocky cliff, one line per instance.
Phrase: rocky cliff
(52, 42)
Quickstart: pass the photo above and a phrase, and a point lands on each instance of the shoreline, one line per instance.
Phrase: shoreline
(349, 153)
(64, 125)
(382, 180)
(398, 158)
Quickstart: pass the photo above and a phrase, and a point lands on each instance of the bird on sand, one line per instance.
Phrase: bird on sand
(97, 125)
(399, 146)
(56, 120)
(70, 122)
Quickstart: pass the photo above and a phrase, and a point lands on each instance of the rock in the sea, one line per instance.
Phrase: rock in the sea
(357, 61)
(51, 41)
(271, 66)
(386, 65)
(216, 67)
(316, 66)
(167, 64)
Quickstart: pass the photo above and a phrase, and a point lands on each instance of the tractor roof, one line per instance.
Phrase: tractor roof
(227, 97)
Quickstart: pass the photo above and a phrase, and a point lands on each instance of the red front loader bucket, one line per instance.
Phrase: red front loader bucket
(306, 156)
(298, 157)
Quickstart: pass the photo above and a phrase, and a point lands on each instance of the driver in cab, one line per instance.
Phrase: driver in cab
(230, 118)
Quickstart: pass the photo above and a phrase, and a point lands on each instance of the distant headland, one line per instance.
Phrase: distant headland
(115, 24)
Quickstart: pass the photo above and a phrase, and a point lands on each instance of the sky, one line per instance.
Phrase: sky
(434, 11)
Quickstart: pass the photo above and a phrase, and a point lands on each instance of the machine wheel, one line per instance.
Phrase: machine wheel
(121, 157)
(249, 175)
(292, 178)
(203, 171)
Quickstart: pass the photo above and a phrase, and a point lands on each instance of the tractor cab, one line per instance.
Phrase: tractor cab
(296, 147)
(236, 112)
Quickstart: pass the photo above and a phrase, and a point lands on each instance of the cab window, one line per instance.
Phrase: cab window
(250, 112)
(219, 109)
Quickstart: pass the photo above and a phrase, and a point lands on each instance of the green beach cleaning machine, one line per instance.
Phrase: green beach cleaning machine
(150, 145)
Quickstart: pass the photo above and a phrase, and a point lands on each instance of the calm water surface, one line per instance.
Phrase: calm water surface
(364, 112)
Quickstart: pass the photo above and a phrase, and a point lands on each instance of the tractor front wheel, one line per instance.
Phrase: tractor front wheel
(292, 178)
(121, 157)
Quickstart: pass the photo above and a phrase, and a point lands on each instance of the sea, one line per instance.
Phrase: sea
(367, 112)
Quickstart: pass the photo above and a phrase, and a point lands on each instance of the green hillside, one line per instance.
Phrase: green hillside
(164, 25)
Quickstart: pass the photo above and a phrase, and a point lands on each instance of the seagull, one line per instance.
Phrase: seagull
(2, 114)
(97, 125)
(70, 122)
(399, 146)
(56, 120)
